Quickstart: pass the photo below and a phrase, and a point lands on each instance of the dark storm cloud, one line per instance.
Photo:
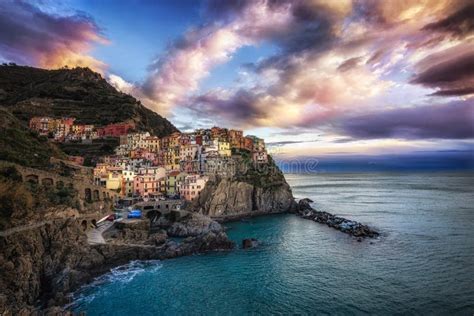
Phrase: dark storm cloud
(238, 109)
(455, 92)
(460, 23)
(454, 76)
(449, 121)
(311, 28)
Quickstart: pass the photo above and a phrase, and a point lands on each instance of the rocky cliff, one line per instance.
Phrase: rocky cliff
(255, 191)
(33, 263)
(41, 264)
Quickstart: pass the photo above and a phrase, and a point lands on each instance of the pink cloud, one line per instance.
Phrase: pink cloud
(46, 40)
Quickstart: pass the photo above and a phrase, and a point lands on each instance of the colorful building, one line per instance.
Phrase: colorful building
(248, 143)
(224, 148)
(145, 184)
(43, 125)
(152, 143)
(127, 182)
(236, 138)
(173, 180)
(188, 152)
(115, 130)
(114, 178)
(174, 139)
(260, 157)
(192, 186)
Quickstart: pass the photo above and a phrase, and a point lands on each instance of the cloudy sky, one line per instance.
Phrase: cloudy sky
(313, 77)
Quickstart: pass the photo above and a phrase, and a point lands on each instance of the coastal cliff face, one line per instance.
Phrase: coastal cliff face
(33, 262)
(254, 192)
(40, 264)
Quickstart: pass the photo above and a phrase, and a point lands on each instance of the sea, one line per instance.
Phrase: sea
(422, 264)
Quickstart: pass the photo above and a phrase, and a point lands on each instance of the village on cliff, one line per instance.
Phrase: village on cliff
(148, 167)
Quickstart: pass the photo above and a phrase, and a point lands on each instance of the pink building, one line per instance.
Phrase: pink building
(149, 156)
(192, 186)
(145, 184)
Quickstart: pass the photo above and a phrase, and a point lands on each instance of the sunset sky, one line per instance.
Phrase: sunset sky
(314, 78)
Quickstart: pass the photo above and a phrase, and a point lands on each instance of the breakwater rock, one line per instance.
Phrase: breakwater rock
(342, 224)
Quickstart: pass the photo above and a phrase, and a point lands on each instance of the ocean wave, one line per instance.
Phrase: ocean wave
(129, 271)
(119, 275)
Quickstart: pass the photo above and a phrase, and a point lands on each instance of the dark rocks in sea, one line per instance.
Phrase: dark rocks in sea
(342, 224)
(249, 243)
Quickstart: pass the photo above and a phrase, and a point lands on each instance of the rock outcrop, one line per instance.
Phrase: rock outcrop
(245, 195)
(249, 243)
(342, 224)
(34, 262)
(193, 225)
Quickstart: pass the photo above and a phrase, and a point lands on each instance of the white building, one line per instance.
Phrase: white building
(137, 140)
(188, 152)
(158, 172)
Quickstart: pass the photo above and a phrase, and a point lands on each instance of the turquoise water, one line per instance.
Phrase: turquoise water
(422, 264)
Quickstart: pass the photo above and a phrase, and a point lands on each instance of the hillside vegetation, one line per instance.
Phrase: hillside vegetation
(19, 144)
(79, 93)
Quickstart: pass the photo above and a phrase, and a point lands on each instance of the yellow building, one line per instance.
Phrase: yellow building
(174, 139)
(224, 148)
(171, 158)
(114, 179)
(152, 143)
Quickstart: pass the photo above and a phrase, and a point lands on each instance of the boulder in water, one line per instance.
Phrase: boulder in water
(249, 243)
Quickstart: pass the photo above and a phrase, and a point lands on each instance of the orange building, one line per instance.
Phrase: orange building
(236, 139)
(248, 143)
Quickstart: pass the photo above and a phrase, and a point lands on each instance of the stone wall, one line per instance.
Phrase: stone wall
(87, 190)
